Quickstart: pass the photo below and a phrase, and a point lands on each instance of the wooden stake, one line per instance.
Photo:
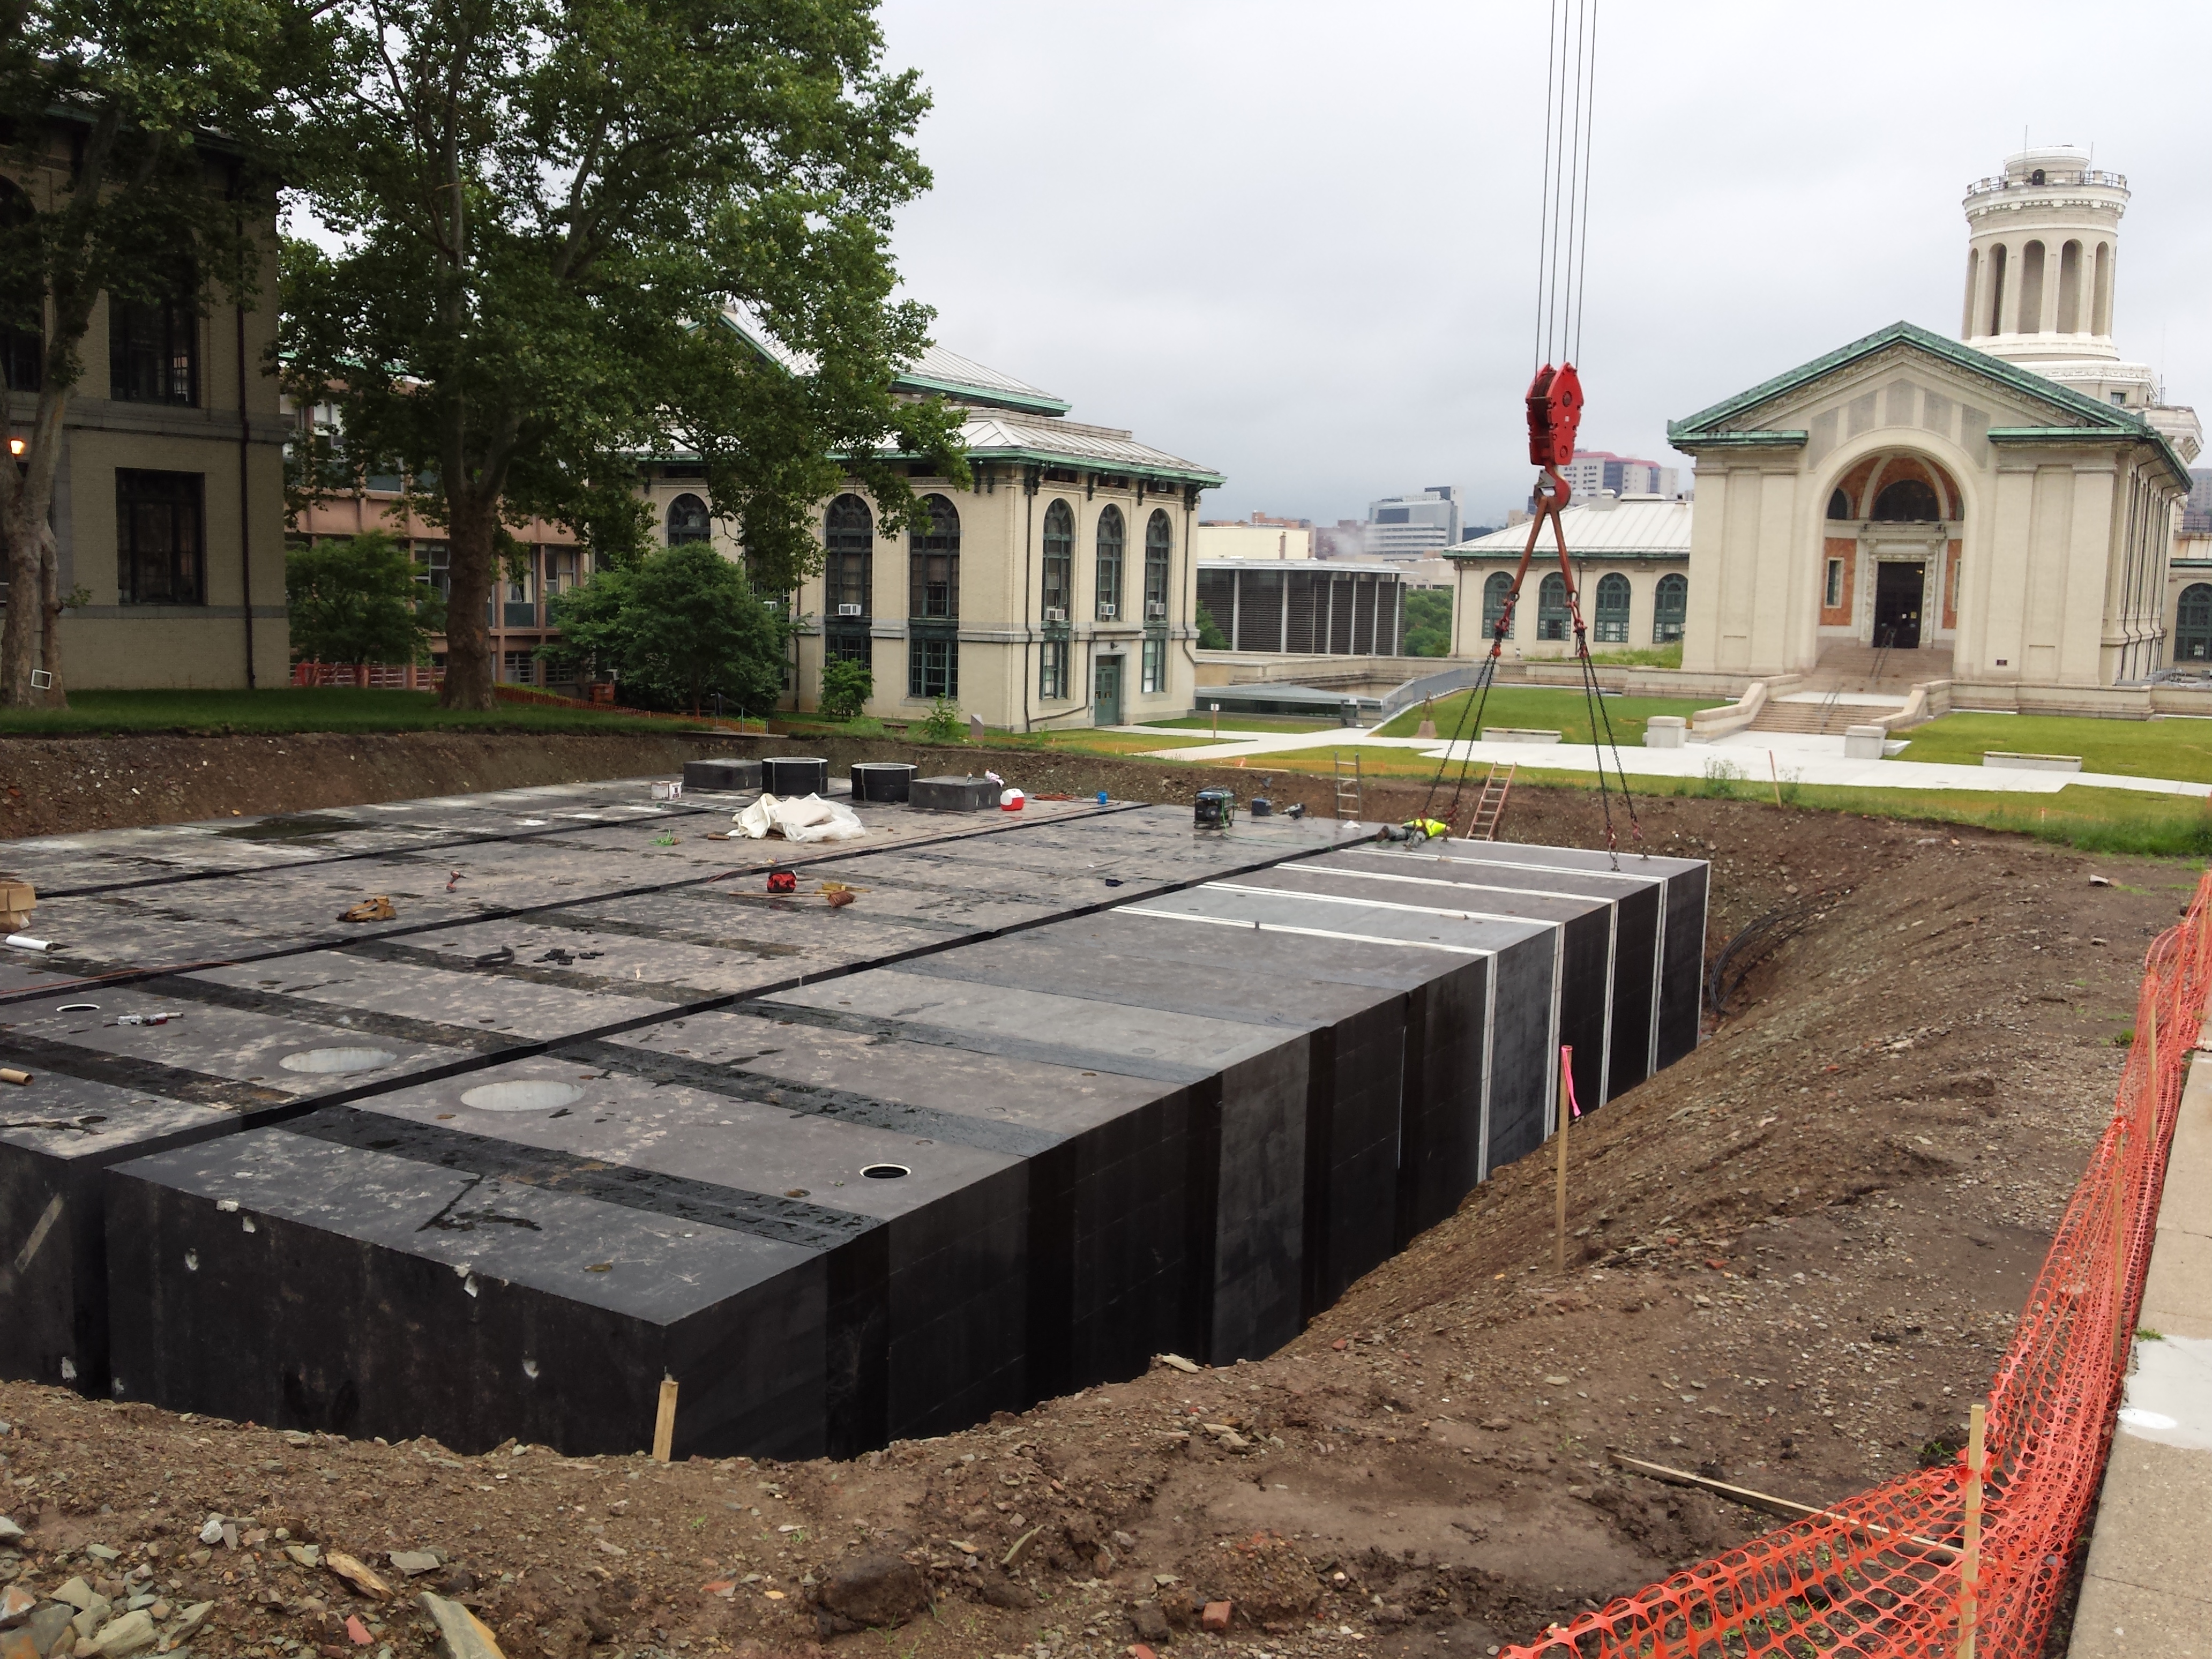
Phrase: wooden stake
(1566, 1112)
(663, 1425)
(1970, 1554)
(1776, 776)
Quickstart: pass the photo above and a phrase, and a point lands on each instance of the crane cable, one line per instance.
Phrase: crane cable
(1562, 225)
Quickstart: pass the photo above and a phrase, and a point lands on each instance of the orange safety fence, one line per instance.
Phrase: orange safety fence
(1883, 1575)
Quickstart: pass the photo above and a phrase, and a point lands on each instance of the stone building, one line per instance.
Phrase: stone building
(1058, 589)
(168, 508)
(2006, 507)
(1631, 556)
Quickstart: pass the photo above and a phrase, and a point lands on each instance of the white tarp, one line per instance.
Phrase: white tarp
(800, 818)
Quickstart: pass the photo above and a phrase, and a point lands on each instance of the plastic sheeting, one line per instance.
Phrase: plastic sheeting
(800, 818)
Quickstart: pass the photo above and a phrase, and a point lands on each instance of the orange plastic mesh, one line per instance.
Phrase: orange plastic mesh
(1880, 1574)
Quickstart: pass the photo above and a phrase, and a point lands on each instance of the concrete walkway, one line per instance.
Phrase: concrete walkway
(1795, 757)
(2147, 1590)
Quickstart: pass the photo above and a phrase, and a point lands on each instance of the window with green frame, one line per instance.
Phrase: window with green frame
(1552, 607)
(1052, 671)
(1059, 563)
(1154, 673)
(1495, 592)
(1670, 608)
(932, 666)
(1611, 623)
(1159, 559)
(1112, 538)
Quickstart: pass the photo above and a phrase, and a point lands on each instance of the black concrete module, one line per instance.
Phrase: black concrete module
(881, 780)
(1636, 902)
(1102, 1145)
(968, 795)
(103, 1091)
(101, 860)
(1684, 882)
(1355, 1003)
(722, 776)
(1585, 949)
(1487, 1045)
(795, 775)
(1245, 1144)
(527, 1251)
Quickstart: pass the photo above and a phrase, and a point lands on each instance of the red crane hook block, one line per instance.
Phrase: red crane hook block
(1555, 411)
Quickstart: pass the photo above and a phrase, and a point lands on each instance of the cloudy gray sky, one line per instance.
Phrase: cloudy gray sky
(1296, 241)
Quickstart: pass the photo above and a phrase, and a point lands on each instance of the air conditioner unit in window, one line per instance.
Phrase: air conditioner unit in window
(1105, 613)
(1155, 610)
(849, 610)
(1055, 613)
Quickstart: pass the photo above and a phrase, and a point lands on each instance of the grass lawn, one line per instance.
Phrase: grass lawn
(324, 709)
(1565, 711)
(1243, 723)
(2134, 749)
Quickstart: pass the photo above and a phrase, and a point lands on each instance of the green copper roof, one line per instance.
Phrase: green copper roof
(2093, 421)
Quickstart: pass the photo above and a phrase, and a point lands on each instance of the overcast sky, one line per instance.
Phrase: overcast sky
(1295, 241)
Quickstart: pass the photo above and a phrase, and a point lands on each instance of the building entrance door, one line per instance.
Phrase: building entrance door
(1897, 588)
(1106, 691)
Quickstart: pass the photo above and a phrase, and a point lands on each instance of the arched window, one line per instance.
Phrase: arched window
(1552, 607)
(1111, 537)
(1909, 500)
(22, 308)
(933, 632)
(1494, 592)
(2069, 288)
(1611, 619)
(2101, 313)
(2192, 630)
(848, 533)
(1840, 505)
(688, 521)
(1059, 561)
(933, 560)
(1670, 608)
(1159, 550)
(848, 540)
(1997, 288)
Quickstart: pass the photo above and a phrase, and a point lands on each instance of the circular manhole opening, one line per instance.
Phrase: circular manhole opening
(322, 1061)
(886, 1171)
(78, 1008)
(527, 1095)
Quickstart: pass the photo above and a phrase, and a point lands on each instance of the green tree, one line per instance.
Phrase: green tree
(677, 627)
(567, 235)
(1428, 622)
(847, 685)
(357, 600)
(107, 113)
(1210, 636)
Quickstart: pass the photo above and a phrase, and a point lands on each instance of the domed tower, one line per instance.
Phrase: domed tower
(2042, 257)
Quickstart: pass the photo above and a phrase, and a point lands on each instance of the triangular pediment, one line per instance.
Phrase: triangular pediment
(1904, 376)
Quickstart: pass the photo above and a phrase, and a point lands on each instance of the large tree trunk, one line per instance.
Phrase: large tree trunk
(49, 617)
(472, 548)
(19, 632)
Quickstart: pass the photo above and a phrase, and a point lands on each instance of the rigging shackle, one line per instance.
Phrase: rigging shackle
(1555, 411)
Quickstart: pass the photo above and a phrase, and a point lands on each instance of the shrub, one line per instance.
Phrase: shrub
(846, 688)
(357, 600)
(943, 723)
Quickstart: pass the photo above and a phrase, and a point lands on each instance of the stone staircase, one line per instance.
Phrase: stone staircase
(1832, 719)
(1849, 667)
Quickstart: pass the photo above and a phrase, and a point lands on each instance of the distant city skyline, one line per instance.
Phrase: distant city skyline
(1223, 254)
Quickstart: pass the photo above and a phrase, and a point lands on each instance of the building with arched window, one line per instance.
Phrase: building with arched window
(1056, 588)
(1629, 555)
(2004, 509)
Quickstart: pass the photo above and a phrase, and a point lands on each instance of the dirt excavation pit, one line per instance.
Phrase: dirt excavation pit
(1795, 1256)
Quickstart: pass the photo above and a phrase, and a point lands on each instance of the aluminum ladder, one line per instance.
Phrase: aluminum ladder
(1349, 792)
